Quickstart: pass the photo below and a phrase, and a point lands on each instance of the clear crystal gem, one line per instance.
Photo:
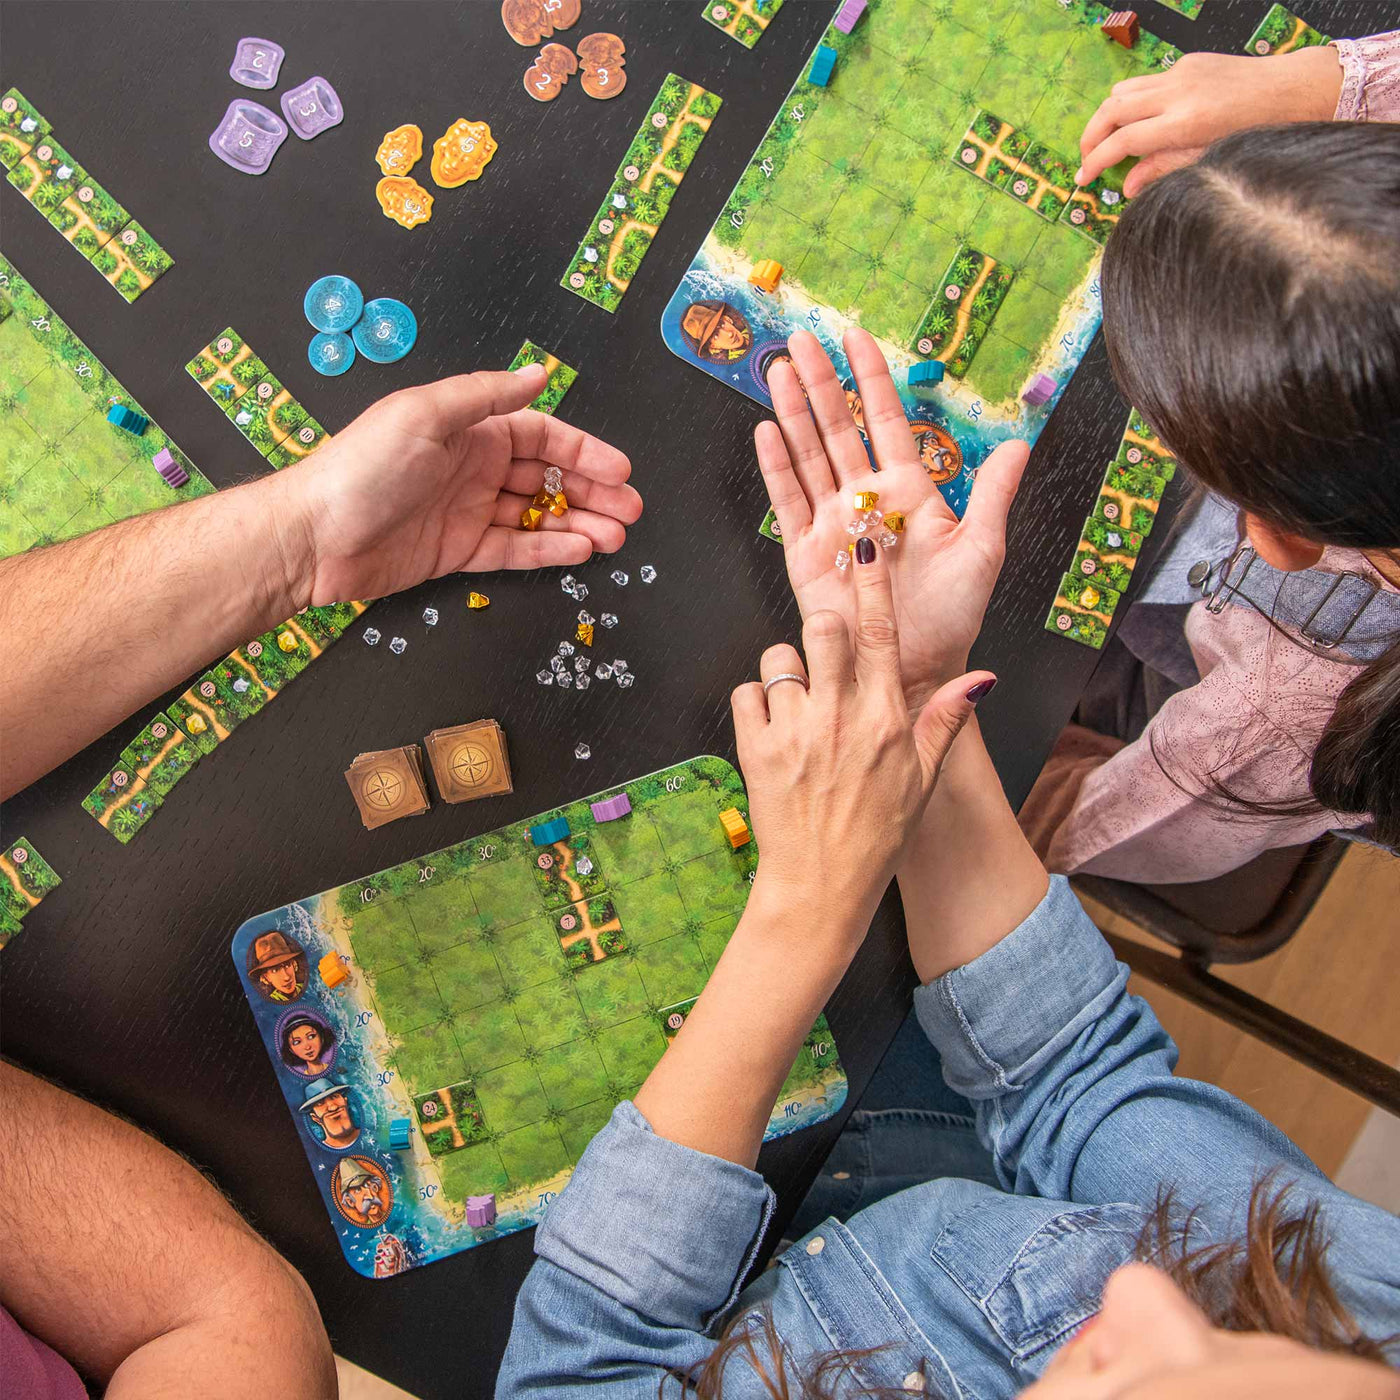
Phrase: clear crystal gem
(566, 648)
(583, 865)
(583, 680)
(580, 664)
(619, 578)
(843, 559)
(625, 679)
(430, 616)
(372, 636)
(580, 592)
(397, 645)
(568, 583)
(564, 679)
(603, 671)
(582, 751)
(556, 663)
(888, 539)
(648, 574)
(241, 684)
(553, 479)
(619, 666)
(545, 677)
(608, 619)
(585, 617)
(874, 516)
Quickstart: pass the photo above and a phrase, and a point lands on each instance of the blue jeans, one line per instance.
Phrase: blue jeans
(908, 1128)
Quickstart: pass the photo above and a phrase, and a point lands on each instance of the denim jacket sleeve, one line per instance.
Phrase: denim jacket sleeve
(647, 1243)
(1072, 1078)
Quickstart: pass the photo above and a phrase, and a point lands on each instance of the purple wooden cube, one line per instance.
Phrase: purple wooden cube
(849, 15)
(1041, 389)
(481, 1211)
(611, 808)
(312, 108)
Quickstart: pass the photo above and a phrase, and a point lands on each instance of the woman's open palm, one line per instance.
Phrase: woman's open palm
(813, 462)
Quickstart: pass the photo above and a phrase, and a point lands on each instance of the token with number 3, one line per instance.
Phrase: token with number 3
(604, 74)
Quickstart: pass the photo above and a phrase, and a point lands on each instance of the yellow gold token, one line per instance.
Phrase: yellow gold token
(1089, 597)
(894, 521)
(287, 640)
(404, 200)
(867, 500)
(478, 600)
(400, 149)
(585, 633)
(196, 724)
(558, 503)
(530, 518)
(461, 153)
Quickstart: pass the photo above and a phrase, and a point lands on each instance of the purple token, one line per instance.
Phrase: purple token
(248, 136)
(1040, 390)
(312, 108)
(171, 472)
(256, 63)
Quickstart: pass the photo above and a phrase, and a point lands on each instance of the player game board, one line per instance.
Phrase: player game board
(504, 996)
(928, 195)
(64, 469)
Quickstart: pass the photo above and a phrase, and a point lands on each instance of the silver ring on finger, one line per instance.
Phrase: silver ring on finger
(785, 676)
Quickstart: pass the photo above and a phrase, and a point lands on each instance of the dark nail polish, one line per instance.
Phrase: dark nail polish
(981, 690)
(865, 550)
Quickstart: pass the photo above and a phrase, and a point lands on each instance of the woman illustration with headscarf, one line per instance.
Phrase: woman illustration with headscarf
(306, 1044)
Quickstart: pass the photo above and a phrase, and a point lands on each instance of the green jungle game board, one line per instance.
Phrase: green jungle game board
(504, 998)
(64, 469)
(927, 194)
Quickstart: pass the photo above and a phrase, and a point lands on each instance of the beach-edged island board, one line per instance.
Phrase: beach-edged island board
(503, 996)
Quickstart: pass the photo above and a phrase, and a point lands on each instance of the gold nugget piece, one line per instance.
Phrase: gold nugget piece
(531, 517)
(287, 640)
(400, 149)
(196, 724)
(585, 633)
(867, 500)
(404, 200)
(895, 521)
(478, 600)
(461, 153)
(558, 504)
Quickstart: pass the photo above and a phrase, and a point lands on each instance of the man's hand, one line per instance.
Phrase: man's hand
(1170, 118)
(942, 569)
(432, 480)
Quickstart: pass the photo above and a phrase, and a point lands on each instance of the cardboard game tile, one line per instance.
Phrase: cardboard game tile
(470, 761)
(1281, 31)
(388, 784)
(89, 217)
(226, 368)
(632, 211)
(561, 376)
(744, 20)
(253, 413)
(25, 878)
(303, 435)
(132, 261)
(450, 1118)
(21, 127)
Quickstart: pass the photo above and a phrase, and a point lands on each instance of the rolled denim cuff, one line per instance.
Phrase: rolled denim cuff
(664, 1230)
(1000, 1019)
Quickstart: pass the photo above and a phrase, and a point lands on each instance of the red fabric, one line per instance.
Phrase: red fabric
(30, 1370)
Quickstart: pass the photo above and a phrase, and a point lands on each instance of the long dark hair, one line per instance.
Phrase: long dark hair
(1252, 314)
(1274, 1280)
(284, 1041)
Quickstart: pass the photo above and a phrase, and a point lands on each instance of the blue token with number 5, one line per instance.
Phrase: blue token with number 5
(386, 332)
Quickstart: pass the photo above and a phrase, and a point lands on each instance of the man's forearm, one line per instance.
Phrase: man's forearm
(969, 877)
(93, 628)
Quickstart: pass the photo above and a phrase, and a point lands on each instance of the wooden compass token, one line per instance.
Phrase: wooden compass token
(552, 68)
(529, 22)
(604, 70)
(470, 761)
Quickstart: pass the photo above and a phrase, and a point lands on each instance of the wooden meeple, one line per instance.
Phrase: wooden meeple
(470, 761)
(388, 784)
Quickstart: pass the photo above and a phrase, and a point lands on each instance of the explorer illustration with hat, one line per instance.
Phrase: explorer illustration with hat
(362, 1192)
(277, 966)
(716, 331)
(327, 1104)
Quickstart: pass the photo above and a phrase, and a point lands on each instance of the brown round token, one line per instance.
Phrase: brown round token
(530, 21)
(546, 76)
(604, 70)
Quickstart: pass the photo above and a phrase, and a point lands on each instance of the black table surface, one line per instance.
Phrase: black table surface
(120, 986)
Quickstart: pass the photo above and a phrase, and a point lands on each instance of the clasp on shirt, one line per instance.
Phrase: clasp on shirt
(1231, 582)
(1328, 633)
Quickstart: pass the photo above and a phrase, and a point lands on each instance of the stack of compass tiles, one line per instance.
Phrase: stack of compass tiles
(1113, 536)
(74, 203)
(254, 401)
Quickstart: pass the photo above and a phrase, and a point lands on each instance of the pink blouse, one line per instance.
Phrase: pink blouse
(1107, 808)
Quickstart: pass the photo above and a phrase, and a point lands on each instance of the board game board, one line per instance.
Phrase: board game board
(505, 996)
(64, 469)
(25, 878)
(928, 195)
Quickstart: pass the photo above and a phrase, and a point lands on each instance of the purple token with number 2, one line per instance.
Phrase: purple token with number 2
(312, 108)
(248, 136)
(256, 63)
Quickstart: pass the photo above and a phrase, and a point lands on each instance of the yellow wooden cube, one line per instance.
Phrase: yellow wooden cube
(766, 275)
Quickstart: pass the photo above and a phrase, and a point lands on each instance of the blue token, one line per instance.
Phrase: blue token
(331, 354)
(333, 303)
(386, 332)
